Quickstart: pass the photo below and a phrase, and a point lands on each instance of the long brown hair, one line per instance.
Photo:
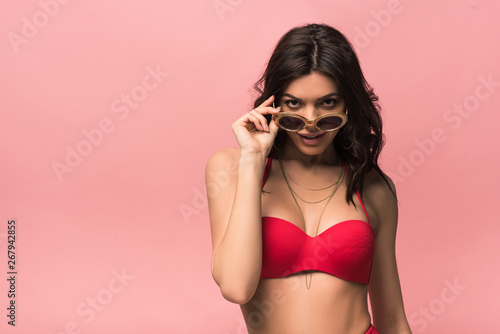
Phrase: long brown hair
(321, 48)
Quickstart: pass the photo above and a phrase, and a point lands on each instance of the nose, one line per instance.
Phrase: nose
(310, 112)
(310, 126)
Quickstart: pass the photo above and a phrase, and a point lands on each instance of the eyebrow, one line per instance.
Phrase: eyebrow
(321, 98)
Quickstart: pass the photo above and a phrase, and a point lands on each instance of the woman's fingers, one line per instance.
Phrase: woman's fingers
(252, 131)
(267, 102)
(261, 119)
(265, 108)
(273, 128)
(253, 118)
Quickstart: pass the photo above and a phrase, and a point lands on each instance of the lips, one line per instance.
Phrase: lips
(311, 136)
(311, 139)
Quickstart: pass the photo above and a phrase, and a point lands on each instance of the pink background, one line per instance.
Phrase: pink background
(66, 70)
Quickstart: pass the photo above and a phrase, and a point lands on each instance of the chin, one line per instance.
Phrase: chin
(313, 151)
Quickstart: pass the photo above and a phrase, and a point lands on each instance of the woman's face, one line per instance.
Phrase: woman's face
(311, 96)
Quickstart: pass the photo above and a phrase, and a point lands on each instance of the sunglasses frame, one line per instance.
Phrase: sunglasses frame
(276, 118)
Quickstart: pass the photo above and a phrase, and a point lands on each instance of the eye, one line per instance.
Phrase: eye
(330, 103)
(292, 104)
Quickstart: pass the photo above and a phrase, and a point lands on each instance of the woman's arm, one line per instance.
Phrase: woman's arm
(235, 220)
(384, 288)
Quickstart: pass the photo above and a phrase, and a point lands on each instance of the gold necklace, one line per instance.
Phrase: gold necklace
(308, 284)
(296, 194)
(310, 202)
(313, 189)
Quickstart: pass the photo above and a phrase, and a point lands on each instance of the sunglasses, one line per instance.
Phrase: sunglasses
(292, 122)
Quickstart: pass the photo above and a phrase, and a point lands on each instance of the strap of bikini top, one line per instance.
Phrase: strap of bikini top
(363, 206)
(266, 170)
(357, 194)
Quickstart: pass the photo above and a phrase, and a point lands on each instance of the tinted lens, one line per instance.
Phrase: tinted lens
(329, 123)
(291, 123)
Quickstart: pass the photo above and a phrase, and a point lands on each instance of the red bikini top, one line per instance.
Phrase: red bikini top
(344, 250)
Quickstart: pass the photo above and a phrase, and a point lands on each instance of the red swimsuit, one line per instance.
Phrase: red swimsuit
(344, 250)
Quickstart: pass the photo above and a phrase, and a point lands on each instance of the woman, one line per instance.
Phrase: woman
(288, 246)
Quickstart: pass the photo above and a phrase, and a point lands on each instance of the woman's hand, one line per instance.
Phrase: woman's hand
(252, 132)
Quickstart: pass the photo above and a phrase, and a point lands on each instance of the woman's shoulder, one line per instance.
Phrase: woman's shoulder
(379, 182)
(222, 158)
(379, 192)
(224, 154)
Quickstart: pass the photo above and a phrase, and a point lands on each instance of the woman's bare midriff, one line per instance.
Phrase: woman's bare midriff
(331, 305)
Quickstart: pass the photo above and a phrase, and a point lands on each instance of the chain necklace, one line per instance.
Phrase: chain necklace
(309, 281)
(313, 189)
(310, 202)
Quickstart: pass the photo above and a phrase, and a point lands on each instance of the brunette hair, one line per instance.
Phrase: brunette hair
(321, 48)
